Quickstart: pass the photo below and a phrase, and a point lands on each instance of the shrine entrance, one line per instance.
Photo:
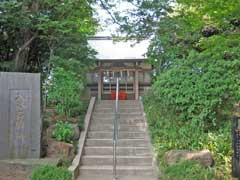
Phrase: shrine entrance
(134, 79)
(126, 84)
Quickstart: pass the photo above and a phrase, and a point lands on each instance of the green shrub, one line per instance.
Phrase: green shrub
(63, 131)
(187, 170)
(168, 132)
(50, 173)
(65, 92)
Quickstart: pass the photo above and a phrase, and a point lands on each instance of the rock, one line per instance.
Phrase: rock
(46, 139)
(60, 149)
(235, 22)
(209, 31)
(76, 130)
(203, 157)
(50, 130)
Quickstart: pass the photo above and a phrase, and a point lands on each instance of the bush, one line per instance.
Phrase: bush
(202, 87)
(64, 92)
(50, 173)
(168, 132)
(63, 131)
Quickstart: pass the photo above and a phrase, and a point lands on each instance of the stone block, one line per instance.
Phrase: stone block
(20, 130)
(60, 149)
(76, 131)
(203, 157)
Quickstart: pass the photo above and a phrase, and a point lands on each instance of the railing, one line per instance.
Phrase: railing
(115, 132)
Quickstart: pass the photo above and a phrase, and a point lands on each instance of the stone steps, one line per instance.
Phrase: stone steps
(134, 157)
(120, 115)
(121, 151)
(121, 160)
(110, 103)
(134, 119)
(121, 110)
(120, 143)
(112, 106)
(121, 170)
(109, 127)
(120, 103)
(121, 123)
(121, 177)
(121, 135)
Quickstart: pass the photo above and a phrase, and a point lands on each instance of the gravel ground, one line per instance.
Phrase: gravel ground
(11, 174)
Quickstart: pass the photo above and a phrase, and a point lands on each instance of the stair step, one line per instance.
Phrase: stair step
(121, 110)
(121, 160)
(120, 142)
(120, 101)
(121, 123)
(119, 177)
(120, 106)
(112, 102)
(112, 106)
(121, 151)
(134, 119)
(109, 127)
(121, 135)
(121, 170)
(120, 115)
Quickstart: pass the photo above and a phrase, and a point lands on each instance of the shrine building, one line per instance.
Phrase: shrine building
(125, 60)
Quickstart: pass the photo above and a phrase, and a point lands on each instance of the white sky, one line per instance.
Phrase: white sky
(107, 26)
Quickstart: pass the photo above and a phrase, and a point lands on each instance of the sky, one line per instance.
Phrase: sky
(108, 27)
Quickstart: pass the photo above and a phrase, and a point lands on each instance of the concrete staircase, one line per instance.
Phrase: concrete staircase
(134, 156)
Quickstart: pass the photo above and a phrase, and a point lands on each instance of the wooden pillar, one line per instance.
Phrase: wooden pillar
(99, 83)
(136, 83)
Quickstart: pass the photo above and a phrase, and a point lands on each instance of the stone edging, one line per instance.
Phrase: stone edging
(155, 164)
(74, 168)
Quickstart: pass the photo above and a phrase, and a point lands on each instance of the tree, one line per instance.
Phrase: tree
(194, 48)
(32, 30)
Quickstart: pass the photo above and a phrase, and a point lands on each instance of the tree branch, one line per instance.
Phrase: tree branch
(104, 6)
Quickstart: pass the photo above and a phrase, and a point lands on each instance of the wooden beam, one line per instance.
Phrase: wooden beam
(136, 84)
(99, 83)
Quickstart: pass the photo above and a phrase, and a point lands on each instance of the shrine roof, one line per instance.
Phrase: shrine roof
(108, 49)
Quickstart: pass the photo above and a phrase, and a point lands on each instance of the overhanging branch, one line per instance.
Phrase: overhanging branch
(104, 6)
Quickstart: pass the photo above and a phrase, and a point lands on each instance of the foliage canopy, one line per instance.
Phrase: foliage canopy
(195, 51)
(31, 30)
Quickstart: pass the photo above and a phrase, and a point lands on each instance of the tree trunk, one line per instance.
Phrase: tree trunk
(22, 53)
(21, 57)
